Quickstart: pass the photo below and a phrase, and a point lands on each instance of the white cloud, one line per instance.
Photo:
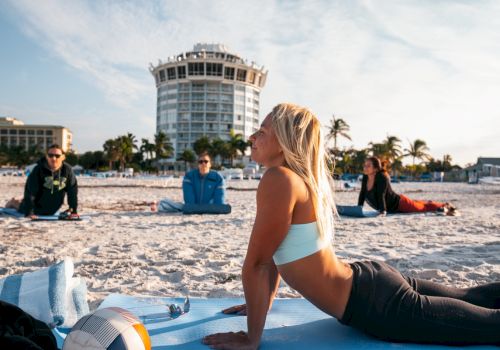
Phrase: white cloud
(421, 69)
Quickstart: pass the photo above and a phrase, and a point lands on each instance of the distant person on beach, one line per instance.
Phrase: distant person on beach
(46, 187)
(199, 186)
(292, 239)
(377, 191)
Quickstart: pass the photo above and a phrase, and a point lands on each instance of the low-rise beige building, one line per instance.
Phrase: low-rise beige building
(14, 132)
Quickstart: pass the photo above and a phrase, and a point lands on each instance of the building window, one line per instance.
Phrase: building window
(22, 132)
(197, 68)
(214, 69)
(242, 75)
(171, 73)
(13, 132)
(212, 107)
(183, 96)
(239, 117)
(48, 132)
(197, 96)
(213, 87)
(213, 97)
(251, 77)
(162, 75)
(229, 73)
(181, 72)
(211, 117)
(197, 106)
(198, 87)
(227, 88)
(3, 131)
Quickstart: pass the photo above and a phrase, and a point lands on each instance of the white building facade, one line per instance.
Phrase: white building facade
(207, 92)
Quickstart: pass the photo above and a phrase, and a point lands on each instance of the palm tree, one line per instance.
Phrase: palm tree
(218, 147)
(126, 145)
(359, 158)
(147, 148)
(187, 156)
(338, 127)
(132, 140)
(393, 148)
(163, 146)
(202, 145)
(236, 145)
(111, 150)
(418, 150)
(447, 162)
(379, 150)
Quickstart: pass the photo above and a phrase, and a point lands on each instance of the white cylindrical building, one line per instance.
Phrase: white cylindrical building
(207, 92)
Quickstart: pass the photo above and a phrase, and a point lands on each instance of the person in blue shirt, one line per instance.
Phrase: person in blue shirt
(203, 190)
(202, 185)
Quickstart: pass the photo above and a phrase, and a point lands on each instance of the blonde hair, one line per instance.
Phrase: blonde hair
(299, 134)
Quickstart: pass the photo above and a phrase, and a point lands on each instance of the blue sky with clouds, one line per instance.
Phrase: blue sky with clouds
(414, 69)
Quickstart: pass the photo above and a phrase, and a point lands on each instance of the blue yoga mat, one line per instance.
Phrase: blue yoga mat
(292, 324)
(11, 212)
(355, 211)
(16, 214)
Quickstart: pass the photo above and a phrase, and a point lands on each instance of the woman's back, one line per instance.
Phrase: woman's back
(319, 277)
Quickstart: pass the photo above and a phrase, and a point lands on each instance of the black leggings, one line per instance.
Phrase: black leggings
(393, 307)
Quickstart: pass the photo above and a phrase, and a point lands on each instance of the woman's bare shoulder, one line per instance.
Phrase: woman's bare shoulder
(280, 175)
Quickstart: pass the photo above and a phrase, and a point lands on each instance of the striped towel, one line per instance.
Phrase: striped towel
(51, 295)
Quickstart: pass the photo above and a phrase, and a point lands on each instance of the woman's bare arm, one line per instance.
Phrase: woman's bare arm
(275, 203)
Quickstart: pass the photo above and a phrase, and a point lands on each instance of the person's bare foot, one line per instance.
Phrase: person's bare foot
(450, 210)
(154, 206)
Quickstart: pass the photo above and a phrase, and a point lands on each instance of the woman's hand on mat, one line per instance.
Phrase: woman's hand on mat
(230, 341)
(238, 310)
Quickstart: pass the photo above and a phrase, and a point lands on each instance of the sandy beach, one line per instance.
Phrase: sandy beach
(127, 249)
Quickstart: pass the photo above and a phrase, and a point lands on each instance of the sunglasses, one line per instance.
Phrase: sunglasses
(203, 161)
(53, 155)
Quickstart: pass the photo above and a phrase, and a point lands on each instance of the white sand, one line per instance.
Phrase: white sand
(125, 248)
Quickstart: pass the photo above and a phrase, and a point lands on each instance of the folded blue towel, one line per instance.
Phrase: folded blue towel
(51, 294)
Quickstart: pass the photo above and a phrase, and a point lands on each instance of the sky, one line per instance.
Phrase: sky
(422, 69)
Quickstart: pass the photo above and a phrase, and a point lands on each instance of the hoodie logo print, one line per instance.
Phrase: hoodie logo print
(51, 183)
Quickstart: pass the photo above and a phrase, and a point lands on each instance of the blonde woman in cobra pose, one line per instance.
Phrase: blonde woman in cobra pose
(291, 239)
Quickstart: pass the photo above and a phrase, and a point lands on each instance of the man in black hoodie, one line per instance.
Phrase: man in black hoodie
(47, 185)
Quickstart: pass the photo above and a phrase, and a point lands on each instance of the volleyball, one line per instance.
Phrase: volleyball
(110, 328)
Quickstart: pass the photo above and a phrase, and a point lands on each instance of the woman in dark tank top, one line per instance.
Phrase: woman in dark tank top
(377, 191)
